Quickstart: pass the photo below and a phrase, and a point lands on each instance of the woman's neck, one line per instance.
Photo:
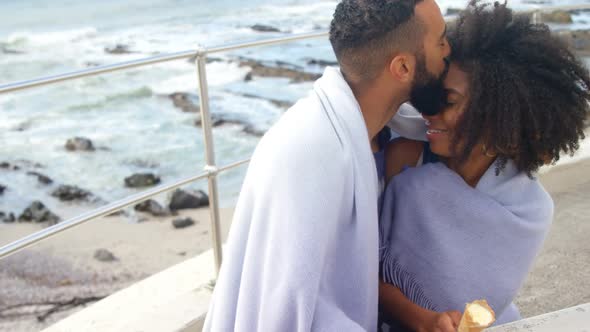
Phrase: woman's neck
(473, 169)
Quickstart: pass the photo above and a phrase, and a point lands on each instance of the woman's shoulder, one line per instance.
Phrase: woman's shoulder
(400, 153)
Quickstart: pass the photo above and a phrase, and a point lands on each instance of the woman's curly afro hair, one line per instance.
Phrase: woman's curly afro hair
(528, 94)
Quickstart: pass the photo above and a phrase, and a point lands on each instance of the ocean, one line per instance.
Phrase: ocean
(128, 115)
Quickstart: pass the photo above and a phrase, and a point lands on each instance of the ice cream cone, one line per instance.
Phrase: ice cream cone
(477, 316)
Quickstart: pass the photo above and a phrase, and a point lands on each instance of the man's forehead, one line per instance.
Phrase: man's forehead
(429, 13)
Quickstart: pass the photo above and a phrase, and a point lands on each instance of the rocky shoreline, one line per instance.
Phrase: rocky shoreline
(38, 212)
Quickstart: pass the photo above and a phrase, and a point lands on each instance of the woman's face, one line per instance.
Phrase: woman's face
(441, 127)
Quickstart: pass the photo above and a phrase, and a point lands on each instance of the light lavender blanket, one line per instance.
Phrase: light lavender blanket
(444, 243)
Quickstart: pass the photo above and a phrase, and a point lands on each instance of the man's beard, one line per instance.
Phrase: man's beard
(428, 94)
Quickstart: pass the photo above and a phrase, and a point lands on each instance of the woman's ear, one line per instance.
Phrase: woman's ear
(402, 67)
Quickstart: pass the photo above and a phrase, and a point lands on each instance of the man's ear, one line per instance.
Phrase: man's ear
(402, 67)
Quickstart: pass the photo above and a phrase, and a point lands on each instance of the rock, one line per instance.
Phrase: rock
(187, 200)
(229, 122)
(558, 16)
(7, 217)
(152, 207)
(248, 77)
(79, 144)
(279, 69)
(264, 28)
(104, 255)
(118, 49)
(44, 179)
(71, 193)
(29, 164)
(37, 212)
(321, 63)
(117, 214)
(9, 166)
(251, 130)
(182, 223)
(2, 189)
(141, 180)
(183, 101)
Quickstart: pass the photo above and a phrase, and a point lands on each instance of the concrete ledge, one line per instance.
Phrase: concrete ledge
(576, 319)
(175, 299)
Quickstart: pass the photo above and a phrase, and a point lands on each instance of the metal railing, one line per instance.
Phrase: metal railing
(210, 170)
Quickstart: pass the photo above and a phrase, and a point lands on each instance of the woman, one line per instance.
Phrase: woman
(469, 226)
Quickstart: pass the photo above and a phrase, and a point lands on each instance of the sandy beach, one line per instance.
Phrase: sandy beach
(63, 267)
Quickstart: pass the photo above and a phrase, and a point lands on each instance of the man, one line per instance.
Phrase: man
(302, 253)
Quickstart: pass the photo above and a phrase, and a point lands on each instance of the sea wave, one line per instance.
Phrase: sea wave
(49, 38)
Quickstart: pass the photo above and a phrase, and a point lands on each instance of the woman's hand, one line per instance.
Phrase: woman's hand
(442, 322)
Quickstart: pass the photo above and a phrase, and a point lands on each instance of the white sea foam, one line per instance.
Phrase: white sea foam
(51, 37)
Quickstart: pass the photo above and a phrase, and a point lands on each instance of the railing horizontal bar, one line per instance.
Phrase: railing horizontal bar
(21, 85)
(102, 211)
(234, 165)
(265, 42)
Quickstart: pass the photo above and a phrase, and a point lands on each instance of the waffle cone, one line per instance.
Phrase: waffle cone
(468, 324)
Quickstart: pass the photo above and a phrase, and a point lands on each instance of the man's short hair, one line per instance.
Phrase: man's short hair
(365, 34)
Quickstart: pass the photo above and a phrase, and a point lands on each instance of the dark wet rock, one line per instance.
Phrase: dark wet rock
(71, 193)
(44, 179)
(184, 101)
(118, 49)
(251, 130)
(279, 69)
(79, 144)
(2, 189)
(141, 180)
(558, 16)
(182, 223)
(218, 122)
(248, 77)
(264, 28)
(37, 212)
(104, 255)
(118, 214)
(152, 207)
(321, 63)
(7, 217)
(188, 200)
(8, 166)
(28, 163)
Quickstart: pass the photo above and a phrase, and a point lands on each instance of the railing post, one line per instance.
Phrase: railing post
(211, 167)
